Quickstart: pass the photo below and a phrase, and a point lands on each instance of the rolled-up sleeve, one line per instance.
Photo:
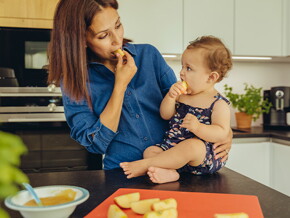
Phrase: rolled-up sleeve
(86, 127)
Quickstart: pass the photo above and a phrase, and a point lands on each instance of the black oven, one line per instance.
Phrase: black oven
(25, 51)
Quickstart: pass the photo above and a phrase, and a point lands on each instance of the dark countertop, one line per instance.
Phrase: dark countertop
(101, 184)
(261, 132)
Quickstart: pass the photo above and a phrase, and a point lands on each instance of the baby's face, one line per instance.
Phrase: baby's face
(195, 70)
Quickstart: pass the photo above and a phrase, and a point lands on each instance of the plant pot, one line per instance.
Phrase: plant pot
(244, 121)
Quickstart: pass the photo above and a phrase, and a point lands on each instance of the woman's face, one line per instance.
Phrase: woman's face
(194, 70)
(105, 35)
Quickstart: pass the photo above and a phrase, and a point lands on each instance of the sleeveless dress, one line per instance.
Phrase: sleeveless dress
(177, 134)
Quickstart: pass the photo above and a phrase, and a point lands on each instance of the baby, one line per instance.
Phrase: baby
(199, 116)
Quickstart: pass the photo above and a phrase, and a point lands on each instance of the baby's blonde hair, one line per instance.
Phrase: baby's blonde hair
(218, 58)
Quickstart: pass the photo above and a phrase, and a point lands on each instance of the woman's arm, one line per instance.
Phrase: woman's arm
(110, 117)
(222, 148)
(218, 130)
(93, 131)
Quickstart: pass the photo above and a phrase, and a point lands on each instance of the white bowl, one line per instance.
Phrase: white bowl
(17, 202)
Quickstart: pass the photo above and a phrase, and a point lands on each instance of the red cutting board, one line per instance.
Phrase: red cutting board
(189, 204)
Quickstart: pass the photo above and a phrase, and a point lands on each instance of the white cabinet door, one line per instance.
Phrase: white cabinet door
(286, 27)
(251, 159)
(209, 17)
(281, 168)
(258, 27)
(157, 22)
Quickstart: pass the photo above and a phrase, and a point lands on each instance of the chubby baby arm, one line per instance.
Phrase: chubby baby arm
(218, 130)
(167, 107)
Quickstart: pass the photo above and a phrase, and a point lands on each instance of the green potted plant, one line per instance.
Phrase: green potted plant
(11, 148)
(250, 104)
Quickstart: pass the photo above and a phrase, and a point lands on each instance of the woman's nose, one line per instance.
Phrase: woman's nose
(116, 39)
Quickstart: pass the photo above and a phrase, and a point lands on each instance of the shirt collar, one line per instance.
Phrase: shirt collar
(130, 48)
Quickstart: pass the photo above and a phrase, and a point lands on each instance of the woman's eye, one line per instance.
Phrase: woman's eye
(119, 25)
(103, 36)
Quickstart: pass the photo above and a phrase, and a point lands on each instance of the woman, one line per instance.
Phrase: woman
(111, 102)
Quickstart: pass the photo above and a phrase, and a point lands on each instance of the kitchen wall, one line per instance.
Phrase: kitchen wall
(259, 74)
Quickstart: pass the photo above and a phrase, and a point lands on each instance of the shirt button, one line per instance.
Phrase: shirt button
(137, 116)
(129, 93)
(145, 138)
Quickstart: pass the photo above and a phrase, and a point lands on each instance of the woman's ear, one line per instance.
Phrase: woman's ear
(213, 77)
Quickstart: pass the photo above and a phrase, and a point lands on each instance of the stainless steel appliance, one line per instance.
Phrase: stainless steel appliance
(26, 104)
(279, 115)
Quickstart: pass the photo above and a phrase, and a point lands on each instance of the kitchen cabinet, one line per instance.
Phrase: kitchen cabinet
(54, 150)
(280, 177)
(286, 26)
(209, 17)
(265, 160)
(27, 13)
(157, 22)
(251, 158)
(258, 27)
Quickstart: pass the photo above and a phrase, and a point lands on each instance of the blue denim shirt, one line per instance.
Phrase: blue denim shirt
(140, 123)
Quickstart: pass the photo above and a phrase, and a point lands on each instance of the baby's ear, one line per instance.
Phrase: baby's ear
(213, 77)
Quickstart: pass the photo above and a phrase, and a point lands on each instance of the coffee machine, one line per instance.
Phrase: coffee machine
(279, 115)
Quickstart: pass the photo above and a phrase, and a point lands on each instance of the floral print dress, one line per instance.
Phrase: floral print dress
(177, 134)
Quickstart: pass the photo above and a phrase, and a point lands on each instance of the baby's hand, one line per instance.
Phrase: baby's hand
(176, 90)
(190, 122)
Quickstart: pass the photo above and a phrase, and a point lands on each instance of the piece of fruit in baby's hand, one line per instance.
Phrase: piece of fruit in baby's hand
(116, 212)
(143, 206)
(125, 201)
(184, 84)
(231, 215)
(164, 204)
(120, 52)
(168, 213)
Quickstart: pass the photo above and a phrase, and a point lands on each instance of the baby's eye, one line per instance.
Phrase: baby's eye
(188, 68)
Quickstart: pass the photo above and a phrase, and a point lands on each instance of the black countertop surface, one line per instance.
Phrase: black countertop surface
(261, 132)
(101, 184)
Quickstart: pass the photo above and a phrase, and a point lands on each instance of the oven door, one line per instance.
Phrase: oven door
(24, 104)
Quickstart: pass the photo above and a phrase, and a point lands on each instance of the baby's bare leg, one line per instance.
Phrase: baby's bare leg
(190, 151)
(156, 174)
(152, 151)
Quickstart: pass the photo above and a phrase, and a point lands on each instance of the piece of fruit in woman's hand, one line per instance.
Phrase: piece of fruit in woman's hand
(120, 52)
(143, 206)
(125, 201)
(168, 213)
(116, 212)
(164, 204)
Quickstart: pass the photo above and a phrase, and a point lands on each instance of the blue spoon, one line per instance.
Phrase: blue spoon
(33, 193)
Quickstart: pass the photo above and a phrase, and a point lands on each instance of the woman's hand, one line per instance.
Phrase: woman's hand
(222, 149)
(176, 89)
(125, 70)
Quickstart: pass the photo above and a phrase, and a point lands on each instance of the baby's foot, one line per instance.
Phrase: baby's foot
(135, 168)
(160, 175)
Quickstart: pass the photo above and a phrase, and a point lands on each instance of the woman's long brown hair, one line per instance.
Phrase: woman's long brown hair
(68, 57)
